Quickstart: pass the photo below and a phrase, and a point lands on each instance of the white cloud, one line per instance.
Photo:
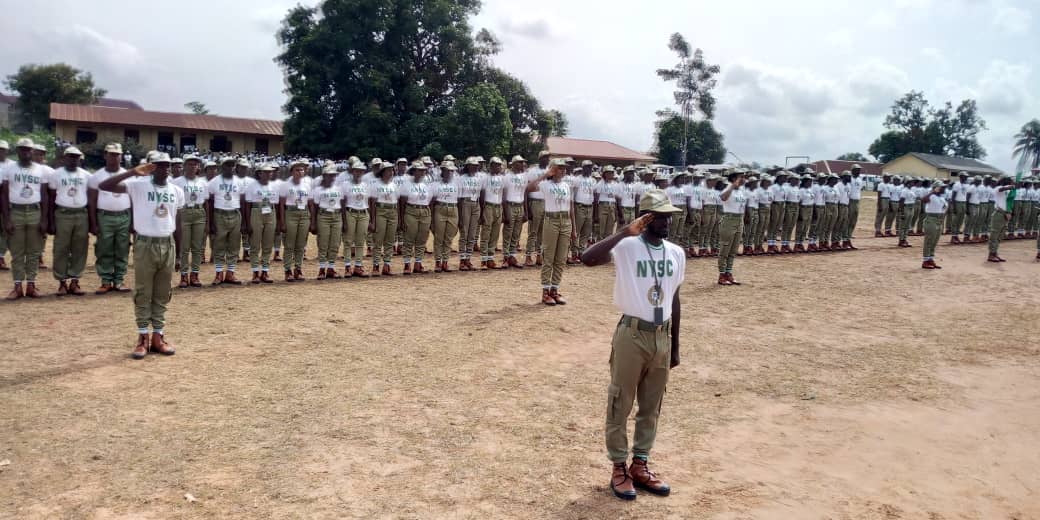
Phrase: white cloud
(1004, 88)
(530, 27)
(1011, 20)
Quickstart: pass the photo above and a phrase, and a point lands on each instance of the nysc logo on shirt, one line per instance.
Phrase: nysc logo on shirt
(646, 268)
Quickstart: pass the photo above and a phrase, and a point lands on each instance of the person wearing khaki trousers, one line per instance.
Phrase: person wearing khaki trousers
(445, 216)
(356, 220)
(383, 206)
(294, 196)
(414, 208)
(557, 228)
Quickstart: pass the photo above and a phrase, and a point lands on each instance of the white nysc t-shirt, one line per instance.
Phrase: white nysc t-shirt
(155, 207)
(70, 187)
(634, 269)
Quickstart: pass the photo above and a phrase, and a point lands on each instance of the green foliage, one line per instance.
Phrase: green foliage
(43, 137)
(914, 126)
(1027, 146)
(852, 156)
(694, 79)
(40, 85)
(378, 77)
(197, 107)
(94, 153)
(704, 143)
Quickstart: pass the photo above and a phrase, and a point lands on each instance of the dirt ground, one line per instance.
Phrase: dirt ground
(834, 386)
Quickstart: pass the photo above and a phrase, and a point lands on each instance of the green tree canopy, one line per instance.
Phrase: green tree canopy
(704, 143)
(372, 77)
(40, 85)
(914, 126)
(852, 156)
(197, 107)
(1027, 146)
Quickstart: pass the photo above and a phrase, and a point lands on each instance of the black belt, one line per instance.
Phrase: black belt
(418, 206)
(554, 214)
(492, 204)
(225, 211)
(447, 204)
(63, 209)
(386, 205)
(606, 203)
(25, 206)
(113, 213)
(642, 324)
(583, 205)
(352, 210)
(157, 240)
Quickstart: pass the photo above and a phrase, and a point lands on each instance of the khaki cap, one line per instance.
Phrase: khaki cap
(517, 159)
(472, 161)
(543, 153)
(72, 150)
(656, 201)
(587, 162)
(609, 168)
(449, 157)
(297, 162)
(25, 142)
(114, 148)
(559, 161)
(158, 157)
(3, 145)
(497, 160)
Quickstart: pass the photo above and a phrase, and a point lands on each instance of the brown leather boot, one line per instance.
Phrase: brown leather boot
(63, 288)
(289, 277)
(141, 349)
(927, 264)
(264, 278)
(538, 261)
(3, 265)
(256, 277)
(528, 262)
(491, 264)
(160, 346)
(955, 240)
(878, 234)
(483, 265)
(193, 280)
(799, 248)
(386, 270)
(298, 275)
(407, 269)
(419, 269)
(904, 243)
(849, 246)
(557, 297)
(219, 279)
(229, 278)
(277, 256)
(729, 276)
(992, 258)
(184, 282)
(17, 292)
(645, 479)
(119, 287)
(104, 289)
(723, 279)
(30, 290)
(785, 249)
(547, 298)
(359, 272)
(621, 483)
(438, 267)
(331, 274)
(321, 274)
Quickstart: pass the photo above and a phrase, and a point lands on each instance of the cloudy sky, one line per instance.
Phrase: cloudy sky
(805, 77)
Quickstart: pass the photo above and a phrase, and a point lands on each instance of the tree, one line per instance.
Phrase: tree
(197, 107)
(380, 77)
(703, 143)
(852, 156)
(552, 123)
(914, 126)
(695, 80)
(1027, 146)
(479, 123)
(40, 85)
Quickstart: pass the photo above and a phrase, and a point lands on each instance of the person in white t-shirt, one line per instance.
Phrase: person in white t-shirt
(558, 228)
(4, 161)
(491, 196)
(294, 217)
(155, 202)
(514, 213)
(1001, 217)
(326, 214)
(383, 200)
(605, 209)
(24, 207)
(69, 222)
(224, 214)
(109, 215)
(935, 206)
(731, 225)
(855, 195)
(414, 213)
(192, 221)
(355, 224)
(535, 213)
(39, 156)
(470, 182)
(445, 208)
(261, 198)
(649, 271)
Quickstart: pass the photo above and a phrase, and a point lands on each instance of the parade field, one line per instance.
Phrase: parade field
(832, 385)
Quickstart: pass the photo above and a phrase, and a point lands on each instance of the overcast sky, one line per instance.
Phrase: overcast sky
(804, 77)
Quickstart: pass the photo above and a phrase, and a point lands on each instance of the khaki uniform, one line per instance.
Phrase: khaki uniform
(330, 232)
(297, 224)
(445, 227)
(26, 242)
(709, 219)
(731, 230)
(193, 238)
(355, 236)
(489, 234)
(386, 231)
(261, 240)
(70, 242)
(417, 220)
(469, 218)
(534, 226)
(639, 366)
(227, 238)
(154, 258)
(511, 231)
(556, 240)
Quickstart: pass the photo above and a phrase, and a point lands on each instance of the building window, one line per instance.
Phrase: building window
(85, 135)
(132, 135)
(261, 146)
(165, 142)
(220, 143)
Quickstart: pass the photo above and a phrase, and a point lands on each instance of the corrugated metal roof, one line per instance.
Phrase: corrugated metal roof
(148, 118)
(835, 166)
(947, 162)
(102, 102)
(587, 148)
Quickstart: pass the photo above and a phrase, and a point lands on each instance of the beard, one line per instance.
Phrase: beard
(659, 228)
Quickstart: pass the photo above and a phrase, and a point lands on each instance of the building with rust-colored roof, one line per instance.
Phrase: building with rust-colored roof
(600, 152)
(179, 132)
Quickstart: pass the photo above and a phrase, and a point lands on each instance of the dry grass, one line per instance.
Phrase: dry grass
(459, 396)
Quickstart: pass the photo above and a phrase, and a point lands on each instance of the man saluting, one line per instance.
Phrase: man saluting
(155, 203)
(649, 271)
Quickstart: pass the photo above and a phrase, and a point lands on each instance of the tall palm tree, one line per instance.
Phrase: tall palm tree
(1027, 146)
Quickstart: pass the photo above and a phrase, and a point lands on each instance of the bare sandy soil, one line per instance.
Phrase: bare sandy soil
(834, 386)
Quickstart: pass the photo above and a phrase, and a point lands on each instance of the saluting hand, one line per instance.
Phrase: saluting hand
(142, 170)
(637, 226)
